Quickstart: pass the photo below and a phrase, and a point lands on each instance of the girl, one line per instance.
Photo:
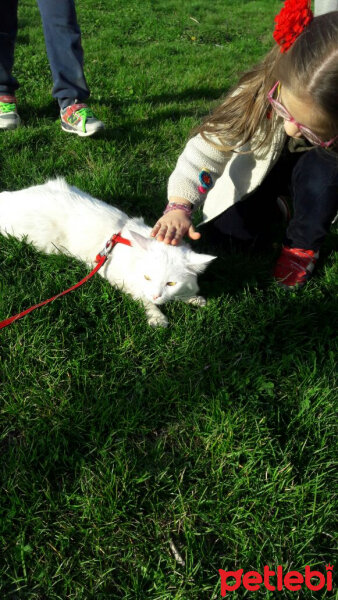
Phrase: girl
(276, 132)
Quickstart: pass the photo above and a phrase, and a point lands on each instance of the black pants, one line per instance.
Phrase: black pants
(63, 44)
(310, 178)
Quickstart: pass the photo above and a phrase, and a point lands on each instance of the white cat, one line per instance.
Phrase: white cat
(56, 217)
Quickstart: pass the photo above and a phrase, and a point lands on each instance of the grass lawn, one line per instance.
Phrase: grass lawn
(136, 462)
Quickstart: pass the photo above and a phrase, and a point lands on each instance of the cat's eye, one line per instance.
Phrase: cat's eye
(171, 283)
(147, 277)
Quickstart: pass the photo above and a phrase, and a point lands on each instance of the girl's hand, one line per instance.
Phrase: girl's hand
(173, 226)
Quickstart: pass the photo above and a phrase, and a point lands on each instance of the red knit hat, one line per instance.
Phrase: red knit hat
(291, 21)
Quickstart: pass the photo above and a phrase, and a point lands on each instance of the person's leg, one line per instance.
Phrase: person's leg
(64, 50)
(8, 30)
(315, 199)
(65, 54)
(9, 118)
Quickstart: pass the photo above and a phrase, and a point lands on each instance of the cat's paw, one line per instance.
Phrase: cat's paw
(158, 321)
(197, 301)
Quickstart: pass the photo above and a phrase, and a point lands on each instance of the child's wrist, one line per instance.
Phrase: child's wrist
(178, 206)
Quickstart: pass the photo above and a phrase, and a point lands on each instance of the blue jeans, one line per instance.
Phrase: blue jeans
(311, 178)
(63, 44)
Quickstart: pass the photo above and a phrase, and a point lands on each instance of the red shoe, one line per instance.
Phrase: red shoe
(294, 267)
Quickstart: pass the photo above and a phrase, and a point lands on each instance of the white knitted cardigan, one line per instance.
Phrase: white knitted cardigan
(234, 176)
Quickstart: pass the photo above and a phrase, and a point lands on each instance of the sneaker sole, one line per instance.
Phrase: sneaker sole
(291, 288)
(297, 286)
(9, 126)
(69, 129)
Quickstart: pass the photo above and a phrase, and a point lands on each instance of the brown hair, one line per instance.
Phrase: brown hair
(309, 69)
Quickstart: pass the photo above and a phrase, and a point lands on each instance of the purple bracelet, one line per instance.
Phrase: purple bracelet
(174, 206)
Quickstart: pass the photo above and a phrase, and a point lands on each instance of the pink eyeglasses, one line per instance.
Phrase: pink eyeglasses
(306, 132)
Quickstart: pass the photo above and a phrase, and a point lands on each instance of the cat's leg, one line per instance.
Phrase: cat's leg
(196, 301)
(155, 317)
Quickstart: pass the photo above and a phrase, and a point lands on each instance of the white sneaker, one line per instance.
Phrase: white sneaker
(80, 119)
(9, 118)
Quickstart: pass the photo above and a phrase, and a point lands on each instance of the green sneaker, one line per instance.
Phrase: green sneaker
(9, 118)
(80, 119)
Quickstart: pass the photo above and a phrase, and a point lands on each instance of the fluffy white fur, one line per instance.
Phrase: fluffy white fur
(56, 217)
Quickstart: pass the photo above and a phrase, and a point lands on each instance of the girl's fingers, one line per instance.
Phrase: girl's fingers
(179, 235)
(155, 229)
(176, 240)
(171, 232)
(194, 235)
(159, 228)
(161, 232)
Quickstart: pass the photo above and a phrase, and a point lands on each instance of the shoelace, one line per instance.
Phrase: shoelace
(6, 107)
(85, 113)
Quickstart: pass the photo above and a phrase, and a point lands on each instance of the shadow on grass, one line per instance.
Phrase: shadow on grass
(188, 95)
(29, 111)
(51, 108)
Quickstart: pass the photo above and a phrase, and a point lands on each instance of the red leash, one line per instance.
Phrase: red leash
(100, 259)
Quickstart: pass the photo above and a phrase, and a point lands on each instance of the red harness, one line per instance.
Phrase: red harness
(100, 259)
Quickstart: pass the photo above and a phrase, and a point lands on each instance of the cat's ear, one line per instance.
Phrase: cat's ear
(138, 240)
(197, 263)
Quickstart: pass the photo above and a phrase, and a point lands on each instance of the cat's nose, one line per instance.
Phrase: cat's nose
(155, 297)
